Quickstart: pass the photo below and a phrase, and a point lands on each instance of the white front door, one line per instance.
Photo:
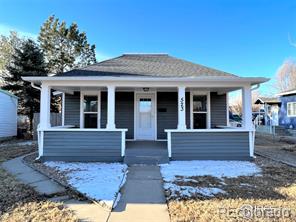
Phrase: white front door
(145, 116)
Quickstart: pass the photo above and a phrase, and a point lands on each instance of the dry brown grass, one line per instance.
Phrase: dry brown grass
(11, 151)
(19, 202)
(275, 188)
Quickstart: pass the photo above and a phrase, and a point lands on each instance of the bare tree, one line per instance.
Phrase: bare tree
(236, 104)
(286, 76)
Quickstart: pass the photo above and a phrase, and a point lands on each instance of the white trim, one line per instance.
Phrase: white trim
(250, 80)
(90, 93)
(45, 106)
(154, 93)
(227, 109)
(63, 109)
(169, 144)
(123, 143)
(82, 130)
(292, 104)
(181, 107)
(286, 93)
(247, 107)
(40, 138)
(111, 107)
(208, 112)
(206, 130)
(251, 142)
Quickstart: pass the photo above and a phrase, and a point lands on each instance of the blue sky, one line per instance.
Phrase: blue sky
(247, 38)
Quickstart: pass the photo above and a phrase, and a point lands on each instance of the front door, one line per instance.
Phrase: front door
(145, 116)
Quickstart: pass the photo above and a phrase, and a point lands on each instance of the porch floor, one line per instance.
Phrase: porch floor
(146, 152)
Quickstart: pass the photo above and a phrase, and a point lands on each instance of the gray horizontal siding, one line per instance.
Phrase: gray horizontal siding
(218, 110)
(82, 146)
(72, 109)
(124, 112)
(167, 112)
(210, 145)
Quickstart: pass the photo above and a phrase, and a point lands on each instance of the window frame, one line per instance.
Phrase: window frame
(208, 112)
(82, 112)
(293, 104)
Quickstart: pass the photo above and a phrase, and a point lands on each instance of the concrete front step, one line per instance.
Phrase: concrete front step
(150, 160)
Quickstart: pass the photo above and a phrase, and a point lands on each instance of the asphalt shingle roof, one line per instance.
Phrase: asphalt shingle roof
(147, 65)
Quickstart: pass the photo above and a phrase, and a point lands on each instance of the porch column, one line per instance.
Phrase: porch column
(247, 107)
(45, 107)
(111, 108)
(181, 108)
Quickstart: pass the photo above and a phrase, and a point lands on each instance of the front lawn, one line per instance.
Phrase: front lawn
(98, 181)
(19, 202)
(262, 190)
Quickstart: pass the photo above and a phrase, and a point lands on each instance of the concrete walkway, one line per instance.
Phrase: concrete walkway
(84, 210)
(142, 197)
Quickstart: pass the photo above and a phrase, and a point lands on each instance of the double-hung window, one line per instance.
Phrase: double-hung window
(90, 110)
(200, 110)
(291, 109)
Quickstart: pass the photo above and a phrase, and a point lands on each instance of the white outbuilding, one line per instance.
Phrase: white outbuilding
(8, 114)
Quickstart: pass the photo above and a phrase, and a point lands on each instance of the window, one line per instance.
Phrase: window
(291, 109)
(90, 110)
(199, 110)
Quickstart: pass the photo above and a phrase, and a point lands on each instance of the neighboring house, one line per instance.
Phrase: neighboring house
(8, 115)
(287, 114)
(145, 97)
(269, 110)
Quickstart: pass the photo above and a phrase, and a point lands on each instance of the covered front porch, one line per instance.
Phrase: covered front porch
(108, 122)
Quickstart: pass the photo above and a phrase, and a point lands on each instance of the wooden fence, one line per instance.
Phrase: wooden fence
(55, 120)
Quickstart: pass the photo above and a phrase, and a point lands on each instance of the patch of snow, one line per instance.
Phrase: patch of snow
(25, 143)
(213, 168)
(180, 171)
(188, 191)
(99, 181)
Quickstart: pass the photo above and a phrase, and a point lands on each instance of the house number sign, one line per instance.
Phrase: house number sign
(182, 103)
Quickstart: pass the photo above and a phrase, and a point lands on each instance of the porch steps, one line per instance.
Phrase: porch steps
(147, 160)
(146, 152)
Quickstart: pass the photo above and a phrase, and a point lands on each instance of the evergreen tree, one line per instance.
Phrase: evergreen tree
(64, 47)
(28, 60)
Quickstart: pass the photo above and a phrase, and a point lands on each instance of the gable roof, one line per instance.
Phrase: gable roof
(288, 92)
(268, 100)
(146, 65)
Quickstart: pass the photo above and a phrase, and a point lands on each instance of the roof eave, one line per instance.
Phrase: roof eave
(251, 80)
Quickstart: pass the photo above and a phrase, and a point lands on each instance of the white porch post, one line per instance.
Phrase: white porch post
(45, 107)
(247, 107)
(111, 108)
(181, 108)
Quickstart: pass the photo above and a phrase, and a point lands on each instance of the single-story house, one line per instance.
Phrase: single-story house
(287, 113)
(270, 107)
(8, 114)
(110, 105)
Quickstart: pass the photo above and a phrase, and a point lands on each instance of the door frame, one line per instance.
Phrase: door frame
(154, 94)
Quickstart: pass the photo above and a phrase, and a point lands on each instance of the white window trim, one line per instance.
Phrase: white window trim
(208, 112)
(292, 104)
(90, 93)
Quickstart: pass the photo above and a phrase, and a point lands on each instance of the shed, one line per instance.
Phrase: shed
(8, 114)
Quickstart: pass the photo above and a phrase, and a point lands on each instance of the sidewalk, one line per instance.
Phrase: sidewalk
(85, 210)
(142, 197)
